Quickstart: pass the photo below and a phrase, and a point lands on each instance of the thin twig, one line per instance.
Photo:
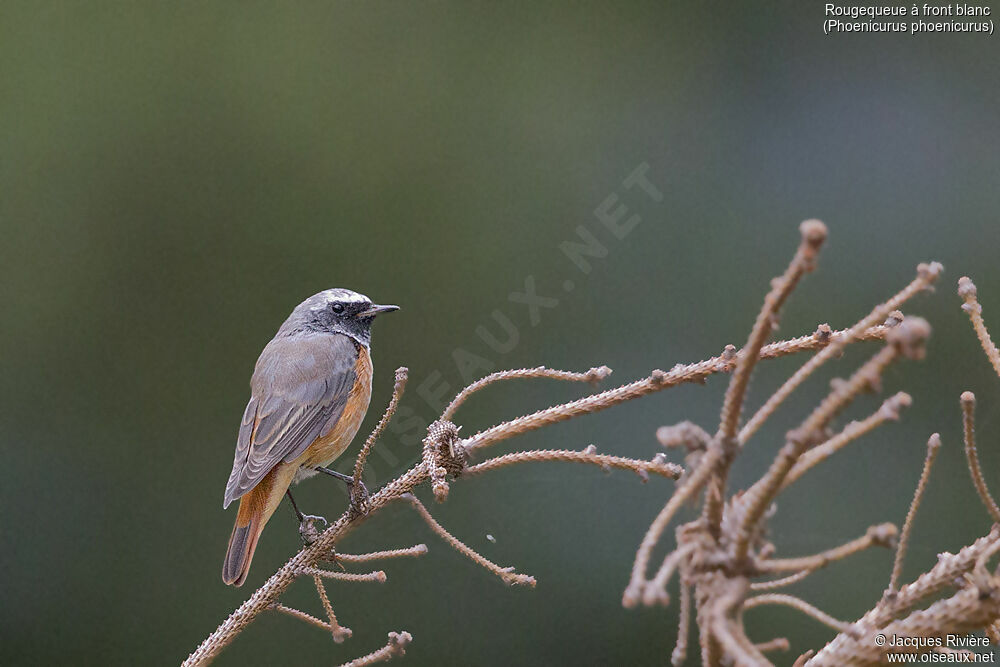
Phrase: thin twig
(395, 647)
(301, 615)
(656, 590)
(506, 574)
(592, 376)
(679, 654)
(774, 584)
(949, 569)
(967, 290)
(882, 535)
(658, 380)
(927, 274)
(968, 401)
(685, 434)
(641, 468)
(889, 411)
(907, 339)
(728, 632)
(416, 550)
(933, 446)
(776, 644)
(397, 393)
(339, 632)
(813, 234)
(697, 479)
(843, 392)
(800, 605)
(377, 576)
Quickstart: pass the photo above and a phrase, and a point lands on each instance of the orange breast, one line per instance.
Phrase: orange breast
(327, 448)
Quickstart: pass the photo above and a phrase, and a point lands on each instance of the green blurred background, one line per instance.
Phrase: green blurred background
(175, 177)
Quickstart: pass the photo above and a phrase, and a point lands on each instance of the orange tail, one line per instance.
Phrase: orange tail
(256, 507)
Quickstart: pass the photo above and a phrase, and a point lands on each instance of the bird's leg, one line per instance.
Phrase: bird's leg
(307, 530)
(339, 475)
(359, 494)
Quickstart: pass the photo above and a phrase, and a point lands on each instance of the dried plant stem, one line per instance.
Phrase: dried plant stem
(642, 468)
(905, 339)
(656, 591)
(417, 550)
(861, 649)
(506, 574)
(889, 411)
(967, 290)
(738, 648)
(927, 274)
(727, 631)
(685, 434)
(679, 654)
(699, 477)
(949, 569)
(397, 393)
(417, 475)
(813, 234)
(340, 633)
(781, 583)
(718, 555)
(800, 605)
(882, 535)
(301, 615)
(594, 375)
(933, 446)
(656, 381)
(396, 646)
(971, 608)
(968, 401)
(776, 644)
(843, 393)
(802, 659)
(760, 495)
(377, 576)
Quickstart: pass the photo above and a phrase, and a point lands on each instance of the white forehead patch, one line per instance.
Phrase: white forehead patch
(322, 300)
(345, 295)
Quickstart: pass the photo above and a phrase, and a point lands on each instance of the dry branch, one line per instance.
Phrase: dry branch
(506, 574)
(933, 446)
(968, 401)
(396, 646)
(723, 559)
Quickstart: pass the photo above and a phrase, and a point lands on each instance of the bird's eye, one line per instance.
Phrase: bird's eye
(337, 308)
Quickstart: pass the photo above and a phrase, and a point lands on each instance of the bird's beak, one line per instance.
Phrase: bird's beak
(375, 310)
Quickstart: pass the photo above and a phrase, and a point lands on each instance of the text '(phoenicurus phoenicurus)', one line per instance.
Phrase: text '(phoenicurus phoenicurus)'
(308, 395)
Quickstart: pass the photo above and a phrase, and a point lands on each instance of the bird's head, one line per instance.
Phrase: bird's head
(336, 310)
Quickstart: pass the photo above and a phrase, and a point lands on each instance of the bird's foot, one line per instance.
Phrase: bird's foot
(359, 498)
(307, 529)
(359, 493)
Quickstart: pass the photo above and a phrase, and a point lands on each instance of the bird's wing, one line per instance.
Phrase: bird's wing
(299, 390)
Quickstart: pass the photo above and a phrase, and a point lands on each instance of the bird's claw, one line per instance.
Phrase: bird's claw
(307, 530)
(359, 498)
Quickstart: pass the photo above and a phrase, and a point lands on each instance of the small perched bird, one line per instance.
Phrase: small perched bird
(308, 395)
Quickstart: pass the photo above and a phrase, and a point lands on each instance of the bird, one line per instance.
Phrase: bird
(308, 395)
